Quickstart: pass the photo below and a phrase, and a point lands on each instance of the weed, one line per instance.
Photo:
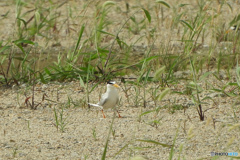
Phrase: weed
(175, 108)
(60, 119)
(15, 149)
(28, 125)
(94, 133)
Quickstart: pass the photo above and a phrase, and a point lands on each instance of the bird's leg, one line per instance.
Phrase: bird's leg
(119, 116)
(103, 114)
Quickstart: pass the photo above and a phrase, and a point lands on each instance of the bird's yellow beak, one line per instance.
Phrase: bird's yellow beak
(117, 86)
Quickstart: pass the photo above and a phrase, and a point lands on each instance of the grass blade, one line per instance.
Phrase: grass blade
(163, 3)
(147, 112)
(101, 31)
(172, 148)
(125, 146)
(187, 24)
(108, 137)
(79, 37)
(4, 48)
(147, 15)
(154, 142)
(164, 93)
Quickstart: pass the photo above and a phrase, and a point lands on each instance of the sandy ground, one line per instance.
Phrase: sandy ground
(32, 134)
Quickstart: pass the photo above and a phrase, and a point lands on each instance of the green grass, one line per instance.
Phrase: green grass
(60, 119)
(109, 41)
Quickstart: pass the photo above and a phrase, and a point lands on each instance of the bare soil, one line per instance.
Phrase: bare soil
(32, 134)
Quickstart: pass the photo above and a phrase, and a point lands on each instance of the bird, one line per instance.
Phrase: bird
(233, 28)
(109, 99)
(235, 33)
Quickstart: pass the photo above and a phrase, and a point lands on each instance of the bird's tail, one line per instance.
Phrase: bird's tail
(95, 105)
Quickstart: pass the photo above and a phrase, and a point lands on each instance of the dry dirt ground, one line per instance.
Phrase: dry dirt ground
(32, 134)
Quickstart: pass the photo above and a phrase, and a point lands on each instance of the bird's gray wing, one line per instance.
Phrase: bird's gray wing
(103, 100)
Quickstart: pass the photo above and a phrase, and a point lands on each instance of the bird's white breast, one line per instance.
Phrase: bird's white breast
(112, 98)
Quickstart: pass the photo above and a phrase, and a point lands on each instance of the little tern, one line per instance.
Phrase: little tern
(109, 99)
(233, 28)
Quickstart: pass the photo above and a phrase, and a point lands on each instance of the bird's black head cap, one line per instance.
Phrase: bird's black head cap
(111, 82)
(235, 27)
